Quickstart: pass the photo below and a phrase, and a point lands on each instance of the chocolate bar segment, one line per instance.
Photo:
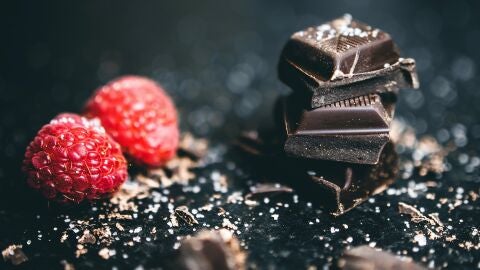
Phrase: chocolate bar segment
(391, 78)
(337, 186)
(353, 130)
(341, 48)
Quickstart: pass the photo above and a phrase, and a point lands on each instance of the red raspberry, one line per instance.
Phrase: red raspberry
(140, 116)
(72, 158)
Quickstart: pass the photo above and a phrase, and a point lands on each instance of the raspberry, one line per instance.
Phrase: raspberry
(72, 158)
(140, 116)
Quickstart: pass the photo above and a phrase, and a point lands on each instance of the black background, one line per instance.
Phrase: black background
(218, 61)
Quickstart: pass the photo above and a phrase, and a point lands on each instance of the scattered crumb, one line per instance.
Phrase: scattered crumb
(119, 227)
(414, 213)
(14, 254)
(87, 238)
(106, 253)
(184, 214)
(81, 250)
(67, 265)
(228, 224)
(194, 147)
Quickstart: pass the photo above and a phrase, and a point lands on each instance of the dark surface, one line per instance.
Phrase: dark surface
(218, 60)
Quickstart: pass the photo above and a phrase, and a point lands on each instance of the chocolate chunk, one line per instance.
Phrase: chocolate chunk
(341, 48)
(388, 79)
(365, 257)
(340, 187)
(337, 186)
(343, 59)
(353, 130)
(211, 250)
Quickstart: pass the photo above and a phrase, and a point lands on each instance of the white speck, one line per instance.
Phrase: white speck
(295, 198)
(420, 239)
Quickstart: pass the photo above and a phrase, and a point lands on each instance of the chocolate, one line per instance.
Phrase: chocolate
(211, 250)
(337, 186)
(342, 59)
(365, 257)
(341, 48)
(389, 79)
(353, 130)
(343, 186)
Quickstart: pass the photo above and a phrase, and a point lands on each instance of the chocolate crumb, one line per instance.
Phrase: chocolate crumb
(119, 227)
(14, 254)
(266, 189)
(193, 147)
(81, 250)
(228, 224)
(87, 238)
(184, 214)
(105, 253)
(67, 265)
(104, 235)
(414, 213)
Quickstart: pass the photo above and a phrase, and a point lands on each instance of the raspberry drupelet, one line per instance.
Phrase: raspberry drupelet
(72, 159)
(140, 116)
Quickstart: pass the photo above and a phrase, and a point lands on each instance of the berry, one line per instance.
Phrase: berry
(140, 116)
(72, 159)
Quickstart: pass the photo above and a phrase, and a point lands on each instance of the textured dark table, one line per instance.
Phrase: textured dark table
(218, 61)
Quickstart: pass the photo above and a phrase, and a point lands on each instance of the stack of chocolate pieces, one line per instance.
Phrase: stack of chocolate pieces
(345, 76)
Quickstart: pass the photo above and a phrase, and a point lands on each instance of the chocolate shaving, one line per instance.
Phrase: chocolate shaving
(267, 189)
(14, 254)
(414, 213)
(184, 214)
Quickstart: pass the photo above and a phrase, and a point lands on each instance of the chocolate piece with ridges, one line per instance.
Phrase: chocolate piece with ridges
(341, 48)
(391, 78)
(353, 130)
